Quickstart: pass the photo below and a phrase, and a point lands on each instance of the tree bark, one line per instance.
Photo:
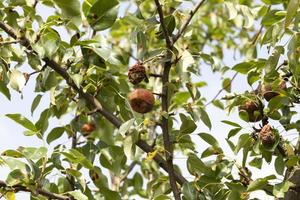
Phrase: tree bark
(294, 192)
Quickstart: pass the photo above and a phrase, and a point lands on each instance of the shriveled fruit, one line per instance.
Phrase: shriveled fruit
(141, 100)
(137, 73)
(87, 128)
(269, 92)
(267, 136)
(253, 109)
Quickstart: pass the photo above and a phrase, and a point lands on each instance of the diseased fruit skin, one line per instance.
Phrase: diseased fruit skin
(141, 100)
(267, 136)
(137, 73)
(269, 93)
(87, 128)
(252, 107)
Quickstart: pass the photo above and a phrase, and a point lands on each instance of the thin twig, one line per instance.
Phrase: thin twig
(221, 90)
(257, 35)
(73, 146)
(45, 193)
(9, 42)
(163, 25)
(187, 22)
(38, 71)
(130, 168)
(155, 75)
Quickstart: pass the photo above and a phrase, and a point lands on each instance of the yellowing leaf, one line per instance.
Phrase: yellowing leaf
(16, 80)
(151, 155)
(10, 196)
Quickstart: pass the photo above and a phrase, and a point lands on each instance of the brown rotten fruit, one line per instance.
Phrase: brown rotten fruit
(87, 128)
(253, 109)
(137, 73)
(141, 100)
(267, 136)
(269, 92)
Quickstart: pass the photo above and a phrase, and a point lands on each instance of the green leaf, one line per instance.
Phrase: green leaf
(170, 24)
(272, 2)
(233, 132)
(110, 195)
(113, 158)
(48, 44)
(33, 153)
(218, 104)
(12, 153)
(252, 77)
(16, 80)
(187, 125)
(13, 164)
(70, 9)
(209, 139)
(231, 10)
(248, 16)
(55, 134)
(244, 67)
(77, 78)
(189, 191)
(279, 165)
(259, 183)
(271, 18)
(103, 14)
(205, 118)
(281, 188)
(274, 58)
(75, 156)
(15, 177)
(22, 121)
(256, 162)
(50, 80)
(195, 165)
(126, 126)
(231, 123)
(162, 197)
(278, 102)
(291, 11)
(243, 140)
(35, 103)
(78, 195)
(226, 84)
(129, 147)
(4, 90)
(43, 122)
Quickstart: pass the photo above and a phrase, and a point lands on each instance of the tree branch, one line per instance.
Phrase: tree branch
(163, 25)
(50, 195)
(9, 42)
(221, 90)
(168, 144)
(92, 101)
(185, 25)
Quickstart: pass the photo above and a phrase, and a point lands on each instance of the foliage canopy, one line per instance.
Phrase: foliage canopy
(116, 153)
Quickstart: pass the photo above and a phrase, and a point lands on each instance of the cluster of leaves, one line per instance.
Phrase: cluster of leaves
(102, 43)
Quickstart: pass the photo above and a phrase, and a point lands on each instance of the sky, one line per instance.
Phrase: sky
(12, 134)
